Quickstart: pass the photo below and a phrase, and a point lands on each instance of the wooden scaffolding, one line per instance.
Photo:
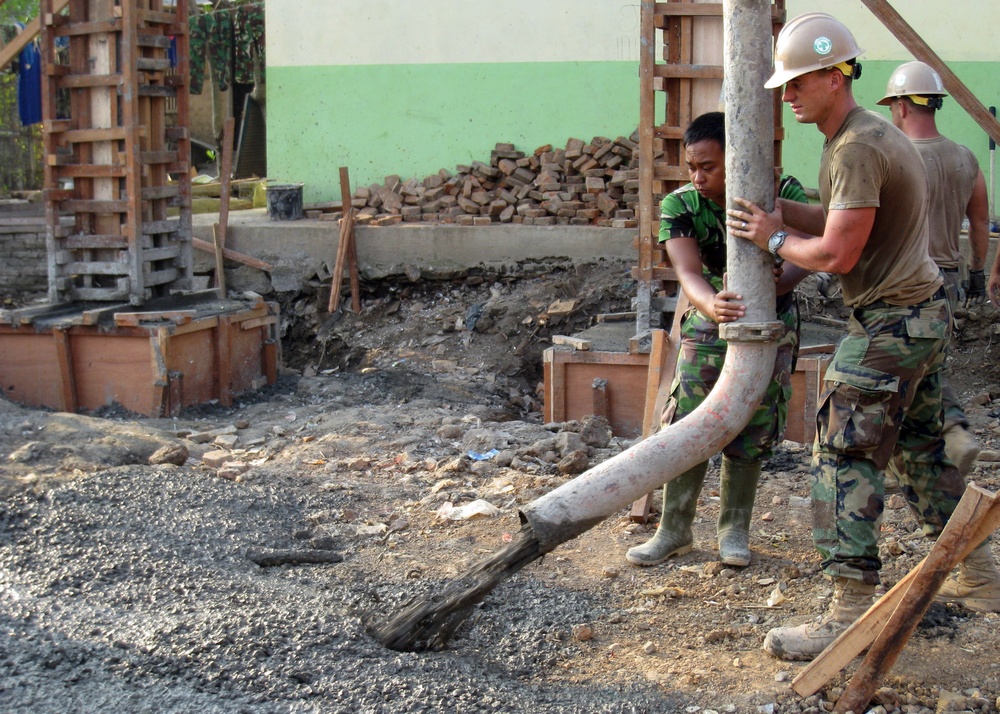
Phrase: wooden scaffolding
(681, 71)
(111, 68)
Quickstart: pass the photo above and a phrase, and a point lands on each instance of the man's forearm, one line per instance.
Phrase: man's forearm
(979, 243)
(805, 217)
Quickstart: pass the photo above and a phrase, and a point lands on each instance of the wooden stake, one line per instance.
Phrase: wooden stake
(345, 248)
(220, 272)
(225, 178)
(976, 505)
(863, 631)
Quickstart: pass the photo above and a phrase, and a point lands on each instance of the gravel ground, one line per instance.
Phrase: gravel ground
(131, 586)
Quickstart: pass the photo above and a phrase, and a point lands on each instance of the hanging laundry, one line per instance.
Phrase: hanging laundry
(29, 85)
(228, 40)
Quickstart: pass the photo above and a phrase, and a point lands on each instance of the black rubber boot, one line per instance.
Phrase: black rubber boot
(673, 536)
(738, 483)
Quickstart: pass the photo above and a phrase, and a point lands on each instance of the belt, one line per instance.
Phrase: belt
(882, 305)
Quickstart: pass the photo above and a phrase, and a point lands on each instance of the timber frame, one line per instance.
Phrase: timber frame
(110, 162)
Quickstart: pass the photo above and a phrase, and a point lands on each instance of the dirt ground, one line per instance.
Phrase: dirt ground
(225, 561)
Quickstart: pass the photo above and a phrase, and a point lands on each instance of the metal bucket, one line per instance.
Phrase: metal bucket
(284, 201)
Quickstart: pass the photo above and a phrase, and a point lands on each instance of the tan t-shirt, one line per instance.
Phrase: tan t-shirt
(871, 163)
(952, 171)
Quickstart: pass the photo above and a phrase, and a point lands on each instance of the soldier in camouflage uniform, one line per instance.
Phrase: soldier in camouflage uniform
(882, 391)
(914, 94)
(692, 226)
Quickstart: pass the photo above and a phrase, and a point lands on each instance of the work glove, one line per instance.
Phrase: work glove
(975, 294)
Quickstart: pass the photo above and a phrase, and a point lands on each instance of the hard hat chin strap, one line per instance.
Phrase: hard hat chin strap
(850, 69)
(932, 102)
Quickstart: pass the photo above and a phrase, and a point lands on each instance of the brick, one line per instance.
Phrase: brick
(215, 459)
(574, 148)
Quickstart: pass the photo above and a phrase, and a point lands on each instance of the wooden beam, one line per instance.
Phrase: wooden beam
(226, 178)
(902, 31)
(67, 378)
(856, 638)
(231, 254)
(13, 48)
(975, 506)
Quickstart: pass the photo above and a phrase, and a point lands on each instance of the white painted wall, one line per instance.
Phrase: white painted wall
(365, 32)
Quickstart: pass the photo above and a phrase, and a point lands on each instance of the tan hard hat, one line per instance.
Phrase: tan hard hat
(809, 42)
(913, 78)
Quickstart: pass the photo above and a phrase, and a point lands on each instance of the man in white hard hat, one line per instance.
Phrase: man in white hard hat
(882, 389)
(914, 94)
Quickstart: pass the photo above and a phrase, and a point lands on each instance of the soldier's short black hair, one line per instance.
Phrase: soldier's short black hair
(710, 126)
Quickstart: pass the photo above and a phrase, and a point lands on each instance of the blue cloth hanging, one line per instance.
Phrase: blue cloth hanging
(29, 85)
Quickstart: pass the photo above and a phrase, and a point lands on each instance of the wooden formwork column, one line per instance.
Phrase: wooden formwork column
(112, 162)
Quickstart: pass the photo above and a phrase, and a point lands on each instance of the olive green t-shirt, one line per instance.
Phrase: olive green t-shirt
(952, 171)
(869, 163)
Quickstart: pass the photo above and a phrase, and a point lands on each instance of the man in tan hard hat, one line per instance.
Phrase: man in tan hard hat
(882, 389)
(914, 94)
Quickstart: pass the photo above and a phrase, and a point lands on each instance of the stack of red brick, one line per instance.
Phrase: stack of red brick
(594, 183)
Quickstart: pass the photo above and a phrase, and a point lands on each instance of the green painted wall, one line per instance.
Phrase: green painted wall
(803, 143)
(415, 119)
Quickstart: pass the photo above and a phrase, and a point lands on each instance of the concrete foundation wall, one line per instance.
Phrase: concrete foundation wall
(24, 265)
(300, 250)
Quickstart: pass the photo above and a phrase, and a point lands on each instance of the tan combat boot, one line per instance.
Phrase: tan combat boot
(673, 536)
(738, 488)
(851, 600)
(976, 585)
(961, 447)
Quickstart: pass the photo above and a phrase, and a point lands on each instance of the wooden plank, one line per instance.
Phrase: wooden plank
(259, 322)
(93, 242)
(152, 64)
(601, 406)
(158, 346)
(79, 136)
(157, 157)
(231, 254)
(223, 363)
(67, 380)
(169, 225)
(157, 90)
(81, 81)
(134, 319)
(976, 506)
(574, 342)
(902, 31)
(864, 630)
(88, 170)
(77, 29)
(156, 193)
(95, 267)
(94, 206)
(687, 9)
(660, 345)
(688, 71)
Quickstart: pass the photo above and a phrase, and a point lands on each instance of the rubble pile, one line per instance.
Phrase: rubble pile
(583, 184)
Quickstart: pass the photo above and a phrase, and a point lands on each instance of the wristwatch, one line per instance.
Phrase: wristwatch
(775, 242)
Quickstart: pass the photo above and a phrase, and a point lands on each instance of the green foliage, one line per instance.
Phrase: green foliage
(20, 10)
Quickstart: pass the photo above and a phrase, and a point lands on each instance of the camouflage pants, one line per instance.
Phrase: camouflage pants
(881, 406)
(953, 411)
(699, 364)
